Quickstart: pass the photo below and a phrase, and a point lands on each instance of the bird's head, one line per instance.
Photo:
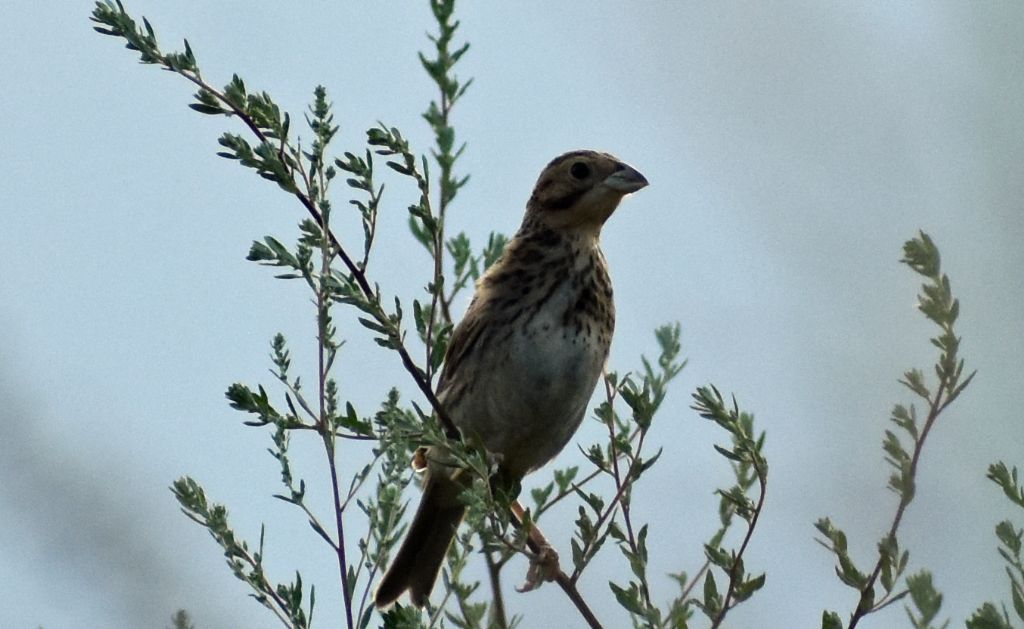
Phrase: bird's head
(581, 189)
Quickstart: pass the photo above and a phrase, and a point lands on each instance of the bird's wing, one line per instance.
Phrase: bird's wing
(464, 338)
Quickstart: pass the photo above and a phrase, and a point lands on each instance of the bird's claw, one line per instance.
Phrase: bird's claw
(543, 567)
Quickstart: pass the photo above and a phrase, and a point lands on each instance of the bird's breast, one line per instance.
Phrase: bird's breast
(542, 370)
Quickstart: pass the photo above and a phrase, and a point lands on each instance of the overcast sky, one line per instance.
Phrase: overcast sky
(791, 148)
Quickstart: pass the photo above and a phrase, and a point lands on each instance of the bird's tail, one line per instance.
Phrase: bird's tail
(418, 561)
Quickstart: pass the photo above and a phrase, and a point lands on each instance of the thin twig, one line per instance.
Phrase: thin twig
(325, 420)
(268, 589)
(696, 579)
(572, 489)
(301, 426)
(314, 522)
(537, 542)
(624, 485)
(354, 269)
(499, 618)
(735, 573)
(339, 523)
(392, 523)
(437, 286)
(301, 399)
(935, 408)
(372, 231)
(357, 481)
(613, 504)
(576, 486)
(439, 610)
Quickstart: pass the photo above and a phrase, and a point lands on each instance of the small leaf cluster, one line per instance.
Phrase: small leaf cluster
(750, 469)
(903, 447)
(467, 614)
(345, 422)
(272, 157)
(114, 21)
(284, 600)
(361, 171)
(926, 599)
(181, 620)
(385, 508)
(440, 70)
(389, 142)
(1010, 537)
(623, 459)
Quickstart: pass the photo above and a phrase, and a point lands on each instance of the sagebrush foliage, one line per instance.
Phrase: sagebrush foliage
(498, 526)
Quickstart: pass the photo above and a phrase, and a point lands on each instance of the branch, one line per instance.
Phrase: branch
(233, 101)
(736, 575)
(866, 605)
(538, 544)
(937, 303)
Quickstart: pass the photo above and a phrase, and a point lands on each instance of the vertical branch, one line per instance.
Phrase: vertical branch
(749, 466)
(937, 303)
(538, 544)
(324, 347)
(438, 116)
(735, 573)
(499, 618)
(867, 605)
(624, 485)
(316, 181)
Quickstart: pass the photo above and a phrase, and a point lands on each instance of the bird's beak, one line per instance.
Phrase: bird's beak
(625, 180)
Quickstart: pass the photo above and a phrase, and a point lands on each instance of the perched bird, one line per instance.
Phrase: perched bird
(522, 365)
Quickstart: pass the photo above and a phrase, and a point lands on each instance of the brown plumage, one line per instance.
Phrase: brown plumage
(524, 361)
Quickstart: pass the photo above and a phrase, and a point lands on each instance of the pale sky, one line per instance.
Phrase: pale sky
(791, 149)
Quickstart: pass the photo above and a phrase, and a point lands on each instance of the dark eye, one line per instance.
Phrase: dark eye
(579, 170)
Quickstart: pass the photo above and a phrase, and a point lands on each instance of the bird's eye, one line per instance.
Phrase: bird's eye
(579, 170)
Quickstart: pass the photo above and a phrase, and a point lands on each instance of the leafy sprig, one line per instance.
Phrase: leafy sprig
(284, 600)
(1010, 537)
(280, 159)
(750, 468)
(903, 448)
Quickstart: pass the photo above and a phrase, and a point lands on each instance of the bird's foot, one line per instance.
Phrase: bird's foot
(543, 567)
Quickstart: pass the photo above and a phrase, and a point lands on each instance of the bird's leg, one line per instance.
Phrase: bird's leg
(543, 557)
(544, 564)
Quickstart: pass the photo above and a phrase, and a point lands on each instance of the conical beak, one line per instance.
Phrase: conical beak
(625, 179)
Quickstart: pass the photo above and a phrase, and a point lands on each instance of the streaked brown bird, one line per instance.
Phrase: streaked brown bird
(522, 365)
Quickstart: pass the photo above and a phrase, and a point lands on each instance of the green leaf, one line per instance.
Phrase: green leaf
(564, 478)
(711, 597)
(352, 421)
(1008, 480)
(925, 597)
(629, 599)
(922, 255)
(1010, 536)
(1017, 596)
(212, 110)
(577, 553)
(747, 588)
(849, 574)
(988, 617)
(831, 620)
(540, 495)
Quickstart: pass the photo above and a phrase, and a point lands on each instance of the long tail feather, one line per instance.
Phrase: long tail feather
(418, 561)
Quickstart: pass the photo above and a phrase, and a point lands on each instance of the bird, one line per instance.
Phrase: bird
(522, 365)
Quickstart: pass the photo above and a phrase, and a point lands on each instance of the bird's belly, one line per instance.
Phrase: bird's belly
(535, 392)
